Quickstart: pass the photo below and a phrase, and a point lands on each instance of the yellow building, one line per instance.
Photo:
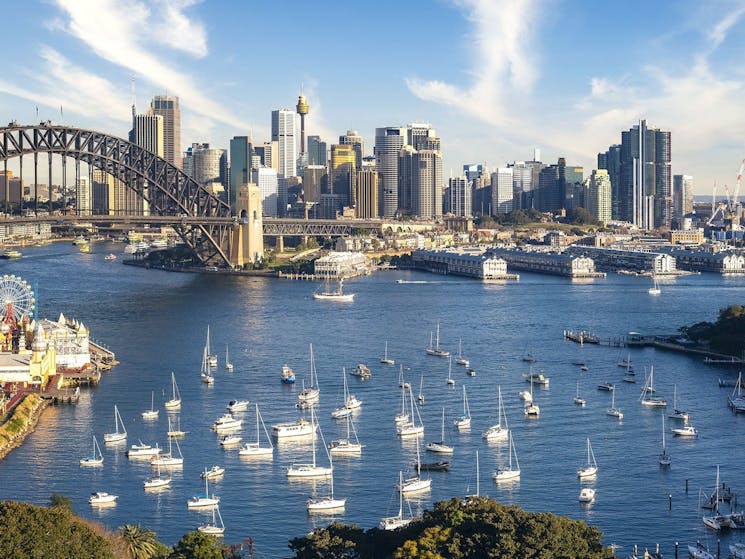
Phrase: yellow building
(342, 175)
(30, 368)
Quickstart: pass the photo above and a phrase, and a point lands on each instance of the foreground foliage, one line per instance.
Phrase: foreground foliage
(456, 529)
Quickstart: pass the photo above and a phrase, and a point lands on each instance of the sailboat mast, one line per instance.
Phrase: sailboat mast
(477, 474)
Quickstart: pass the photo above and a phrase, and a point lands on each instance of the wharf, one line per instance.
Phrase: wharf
(102, 357)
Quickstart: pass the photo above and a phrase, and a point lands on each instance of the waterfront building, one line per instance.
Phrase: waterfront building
(167, 107)
(71, 342)
(458, 197)
(462, 263)
(599, 196)
(629, 260)
(687, 235)
(701, 261)
(502, 191)
(317, 151)
(682, 196)
(30, 368)
(267, 181)
(572, 266)
(336, 265)
(18, 231)
(241, 156)
(342, 173)
(367, 201)
(283, 132)
(352, 138)
(83, 196)
(388, 144)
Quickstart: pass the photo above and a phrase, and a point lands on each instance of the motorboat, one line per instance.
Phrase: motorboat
(110, 257)
(237, 405)
(441, 466)
(227, 422)
(230, 440)
(102, 498)
(214, 472)
(361, 371)
(586, 495)
(11, 254)
(143, 450)
(299, 428)
(685, 431)
(287, 376)
(607, 386)
(537, 378)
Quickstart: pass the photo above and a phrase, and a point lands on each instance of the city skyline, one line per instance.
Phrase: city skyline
(509, 76)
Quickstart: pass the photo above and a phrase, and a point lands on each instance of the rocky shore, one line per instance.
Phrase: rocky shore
(21, 422)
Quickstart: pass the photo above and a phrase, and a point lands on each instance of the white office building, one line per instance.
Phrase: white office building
(502, 190)
(266, 179)
(284, 132)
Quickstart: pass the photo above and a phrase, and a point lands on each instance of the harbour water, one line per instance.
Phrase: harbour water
(156, 323)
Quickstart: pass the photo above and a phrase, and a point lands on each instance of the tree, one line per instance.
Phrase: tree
(196, 545)
(139, 542)
(59, 500)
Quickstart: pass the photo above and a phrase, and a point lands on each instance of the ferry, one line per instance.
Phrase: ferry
(288, 375)
(11, 253)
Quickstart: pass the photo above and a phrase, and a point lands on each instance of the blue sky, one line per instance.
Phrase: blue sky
(494, 77)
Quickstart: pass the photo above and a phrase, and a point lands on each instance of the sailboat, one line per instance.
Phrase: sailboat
(346, 446)
(478, 481)
(385, 360)
(169, 460)
(416, 483)
(211, 359)
(214, 529)
(577, 400)
(309, 470)
(117, 435)
(152, 413)
(398, 521)
(411, 428)
(450, 381)
(511, 472)
(157, 481)
(613, 411)
(716, 520)
(464, 421)
(655, 289)
(664, 459)
(255, 449)
(647, 398)
(206, 372)
(531, 408)
(228, 364)
(500, 430)
(350, 403)
(420, 396)
(175, 430)
(402, 417)
(206, 500)
(175, 402)
(677, 412)
(330, 503)
(337, 295)
(460, 360)
(591, 468)
(95, 459)
(440, 446)
(435, 349)
(312, 394)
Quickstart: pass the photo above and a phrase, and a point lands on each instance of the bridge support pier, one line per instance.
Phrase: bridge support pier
(281, 243)
(247, 246)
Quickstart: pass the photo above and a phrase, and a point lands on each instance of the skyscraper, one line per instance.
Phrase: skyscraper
(645, 177)
(342, 173)
(611, 161)
(241, 152)
(366, 194)
(599, 196)
(167, 106)
(268, 155)
(266, 179)
(459, 196)
(283, 132)
(210, 167)
(682, 195)
(388, 143)
(426, 184)
(147, 132)
(502, 191)
(352, 138)
(316, 151)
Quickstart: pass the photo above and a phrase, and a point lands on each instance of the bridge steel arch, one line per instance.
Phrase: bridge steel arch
(167, 189)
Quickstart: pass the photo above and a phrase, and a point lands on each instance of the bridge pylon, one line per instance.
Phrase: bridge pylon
(247, 245)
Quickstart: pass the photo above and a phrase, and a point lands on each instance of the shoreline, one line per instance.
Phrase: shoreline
(29, 424)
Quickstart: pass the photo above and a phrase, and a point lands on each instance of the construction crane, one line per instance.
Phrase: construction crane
(739, 181)
(713, 198)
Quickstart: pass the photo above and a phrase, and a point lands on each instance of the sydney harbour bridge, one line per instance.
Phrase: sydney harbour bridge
(202, 220)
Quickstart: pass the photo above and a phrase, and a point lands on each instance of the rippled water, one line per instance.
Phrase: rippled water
(156, 323)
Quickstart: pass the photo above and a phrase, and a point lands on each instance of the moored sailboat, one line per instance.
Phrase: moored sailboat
(385, 359)
(175, 402)
(512, 471)
(464, 421)
(95, 459)
(499, 431)
(256, 449)
(591, 467)
(117, 435)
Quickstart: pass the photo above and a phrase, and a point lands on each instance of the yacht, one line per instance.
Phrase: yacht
(685, 431)
(213, 472)
(142, 450)
(102, 498)
(587, 495)
(227, 422)
(206, 500)
(299, 428)
(337, 295)
(287, 375)
(237, 405)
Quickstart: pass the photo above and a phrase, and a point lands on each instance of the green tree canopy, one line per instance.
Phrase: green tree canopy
(196, 545)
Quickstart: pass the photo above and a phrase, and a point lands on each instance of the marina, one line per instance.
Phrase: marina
(264, 323)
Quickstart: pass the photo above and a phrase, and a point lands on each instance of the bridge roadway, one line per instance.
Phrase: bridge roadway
(273, 227)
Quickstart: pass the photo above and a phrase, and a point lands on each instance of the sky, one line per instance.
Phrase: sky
(495, 78)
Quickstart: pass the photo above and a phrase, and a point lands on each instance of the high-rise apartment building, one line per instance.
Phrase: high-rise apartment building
(241, 155)
(342, 172)
(502, 190)
(352, 138)
(366, 194)
(459, 196)
(266, 179)
(147, 132)
(284, 133)
(426, 184)
(682, 195)
(313, 184)
(84, 196)
(103, 193)
(317, 151)
(611, 161)
(268, 154)
(209, 167)
(645, 177)
(599, 196)
(167, 106)
(388, 144)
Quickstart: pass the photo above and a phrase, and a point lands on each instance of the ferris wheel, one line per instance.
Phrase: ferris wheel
(16, 297)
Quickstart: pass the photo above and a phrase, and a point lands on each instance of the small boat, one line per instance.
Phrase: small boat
(586, 495)
(299, 428)
(655, 289)
(214, 528)
(698, 551)
(716, 520)
(211, 358)
(511, 472)
(500, 431)
(11, 254)
(328, 504)
(348, 446)
(385, 359)
(102, 498)
(230, 440)
(471, 372)
(647, 398)
(350, 404)
(142, 450)
(312, 394)
(441, 466)
(214, 472)
(110, 257)
(464, 421)
(117, 435)
(591, 468)
(584, 368)
(402, 417)
(579, 362)
(175, 402)
(152, 413)
(450, 381)
(528, 358)
(677, 412)
(287, 376)
(169, 460)
(416, 483)
(361, 371)
(157, 481)
(175, 430)
(577, 400)
(664, 459)
(237, 405)
(398, 521)
(629, 379)
(435, 349)
(312, 469)
(736, 550)
(228, 364)
(526, 396)
(337, 295)
(85, 249)
(607, 386)
(613, 411)
(440, 446)
(736, 400)
(206, 373)
(532, 409)
(536, 378)
(460, 360)
(626, 363)
(95, 459)
(227, 422)
(411, 428)
(205, 500)
(685, 431)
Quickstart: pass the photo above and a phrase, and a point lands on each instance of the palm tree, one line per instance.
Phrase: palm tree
(139, 542)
